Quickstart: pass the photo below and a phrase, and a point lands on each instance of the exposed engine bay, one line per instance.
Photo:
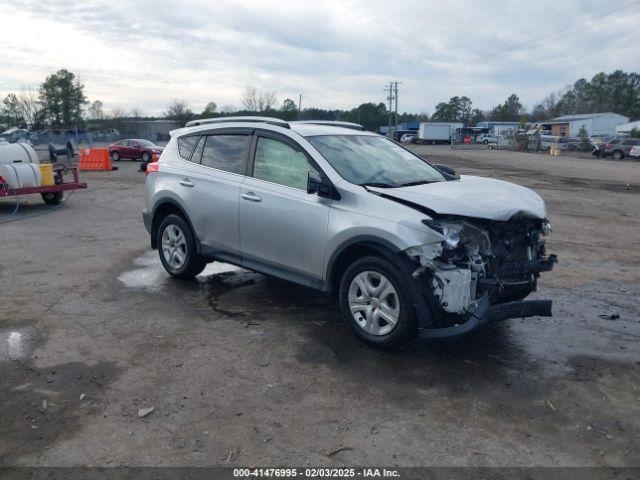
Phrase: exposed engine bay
(475, 259)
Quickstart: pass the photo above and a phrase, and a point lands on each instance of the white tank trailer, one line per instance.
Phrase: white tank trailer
(19, 165)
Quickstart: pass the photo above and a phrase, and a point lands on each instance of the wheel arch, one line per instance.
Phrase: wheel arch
(351, 250)
(160, 211)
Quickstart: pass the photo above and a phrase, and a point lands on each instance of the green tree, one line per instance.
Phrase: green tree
(509, 111)
(289, 109)
(12, 112)
(210, 109)
(457, 109)
(585, 142)
(62, 96)
(95, 110)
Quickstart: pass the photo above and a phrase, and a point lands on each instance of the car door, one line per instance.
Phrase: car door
(136, 150)
(282, 227)
(122, 148)
(210, 185)
(129, 149)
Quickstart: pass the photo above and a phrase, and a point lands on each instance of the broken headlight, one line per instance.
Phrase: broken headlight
(450, 232)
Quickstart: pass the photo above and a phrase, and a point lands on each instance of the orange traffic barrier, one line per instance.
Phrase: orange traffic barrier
(95, 159)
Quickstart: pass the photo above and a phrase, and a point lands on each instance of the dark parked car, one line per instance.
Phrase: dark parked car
(134, 149)
(619, 148)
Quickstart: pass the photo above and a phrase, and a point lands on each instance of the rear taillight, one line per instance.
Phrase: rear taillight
(152, 167)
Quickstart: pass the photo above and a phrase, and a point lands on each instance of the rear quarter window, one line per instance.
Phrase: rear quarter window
(185, 145)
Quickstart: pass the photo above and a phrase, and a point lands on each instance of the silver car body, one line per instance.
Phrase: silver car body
(289, 233)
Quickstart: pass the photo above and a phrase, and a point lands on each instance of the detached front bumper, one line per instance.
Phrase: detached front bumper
(486, 313)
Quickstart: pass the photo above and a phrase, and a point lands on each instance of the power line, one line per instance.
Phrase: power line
(571, 30)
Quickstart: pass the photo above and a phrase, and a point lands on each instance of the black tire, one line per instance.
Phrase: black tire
(115, 156)
(53, 198)
(143, 166)
(618, 155)
(146, 157)
(486, 142)
(406, 326)
(193, 264)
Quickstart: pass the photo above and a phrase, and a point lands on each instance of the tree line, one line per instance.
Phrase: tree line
(60, 103)
(617, 92)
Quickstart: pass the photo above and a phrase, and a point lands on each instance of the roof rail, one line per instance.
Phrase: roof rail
(270, 120)
(331, 123)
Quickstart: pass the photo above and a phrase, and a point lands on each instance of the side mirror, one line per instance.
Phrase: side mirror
(318, 185)
(449, 172)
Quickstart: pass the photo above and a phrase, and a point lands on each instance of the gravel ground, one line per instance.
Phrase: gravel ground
(244, 369)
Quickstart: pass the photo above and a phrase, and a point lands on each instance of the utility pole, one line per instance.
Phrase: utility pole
(300, 107)
(390, 98)
(392, 89)
(396, 95)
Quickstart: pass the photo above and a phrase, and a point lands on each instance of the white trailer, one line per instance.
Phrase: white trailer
(437, 132)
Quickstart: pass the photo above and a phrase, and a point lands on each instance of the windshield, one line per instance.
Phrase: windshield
(369, 160)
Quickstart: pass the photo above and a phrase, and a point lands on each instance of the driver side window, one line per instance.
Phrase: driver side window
(277, 162)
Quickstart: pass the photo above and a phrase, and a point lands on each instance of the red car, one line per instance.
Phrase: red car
(134, 149)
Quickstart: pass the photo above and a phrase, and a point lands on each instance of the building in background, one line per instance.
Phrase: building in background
(595, 123)
(627, 127)
(497, 127)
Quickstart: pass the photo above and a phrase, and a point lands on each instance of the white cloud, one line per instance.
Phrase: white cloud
(336, 53)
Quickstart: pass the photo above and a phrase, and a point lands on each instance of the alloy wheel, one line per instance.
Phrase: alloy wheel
(174, 246)
(374, 303)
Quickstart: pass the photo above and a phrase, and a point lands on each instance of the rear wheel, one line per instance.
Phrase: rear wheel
(52, 198)
(177, 248)
(618, 155)
(376, 302)
(115, 156)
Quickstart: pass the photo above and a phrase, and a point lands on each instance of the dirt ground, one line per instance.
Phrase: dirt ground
(244, 369)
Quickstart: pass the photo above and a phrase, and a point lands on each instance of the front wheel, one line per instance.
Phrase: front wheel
(177, 248)
(376, 302)
(115, 156)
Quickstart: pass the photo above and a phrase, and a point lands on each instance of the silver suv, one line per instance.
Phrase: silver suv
(411, 249)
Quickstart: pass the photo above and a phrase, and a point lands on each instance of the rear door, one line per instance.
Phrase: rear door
(211, 181)
(282, 227)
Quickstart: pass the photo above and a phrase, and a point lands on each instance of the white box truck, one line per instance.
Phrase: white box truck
(437, 132)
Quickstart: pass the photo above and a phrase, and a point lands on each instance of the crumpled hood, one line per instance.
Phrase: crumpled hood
(472, 196)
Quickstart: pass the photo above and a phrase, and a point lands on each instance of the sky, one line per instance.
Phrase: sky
(336, 54)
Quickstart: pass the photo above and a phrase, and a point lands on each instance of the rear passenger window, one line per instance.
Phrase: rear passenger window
(185, 145)
(225, 152)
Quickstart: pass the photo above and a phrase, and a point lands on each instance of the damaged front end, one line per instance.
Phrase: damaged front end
(476, 271)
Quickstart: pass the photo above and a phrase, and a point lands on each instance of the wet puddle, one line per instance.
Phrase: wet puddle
(17, 344)
(151, 276)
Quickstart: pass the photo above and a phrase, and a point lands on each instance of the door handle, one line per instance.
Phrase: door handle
(252, 197)
(185, 182)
